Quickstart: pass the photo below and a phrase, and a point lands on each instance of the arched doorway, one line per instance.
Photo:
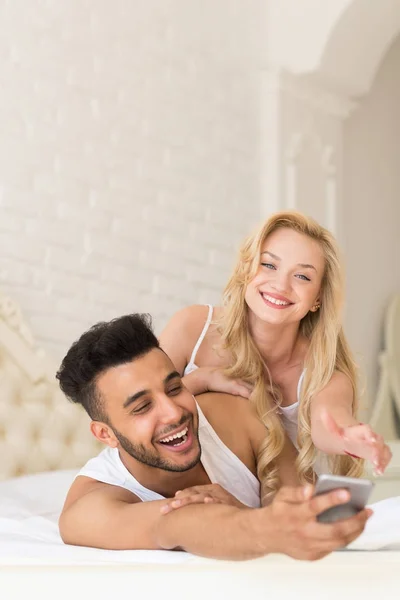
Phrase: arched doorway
(324, 62)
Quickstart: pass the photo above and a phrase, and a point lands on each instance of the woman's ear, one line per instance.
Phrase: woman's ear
(316, 305)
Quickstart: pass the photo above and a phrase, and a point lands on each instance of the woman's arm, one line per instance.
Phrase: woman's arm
(334, 430)
(178, 340)
(335, 399)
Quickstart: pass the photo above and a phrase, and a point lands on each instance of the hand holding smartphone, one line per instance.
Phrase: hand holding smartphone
(360, 490)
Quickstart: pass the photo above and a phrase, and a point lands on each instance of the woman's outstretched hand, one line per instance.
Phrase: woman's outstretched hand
(362, 442)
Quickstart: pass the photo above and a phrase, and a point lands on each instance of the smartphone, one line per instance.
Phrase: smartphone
(360, 490)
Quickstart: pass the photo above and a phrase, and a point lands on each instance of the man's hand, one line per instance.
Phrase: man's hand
(293, 516)
(362, 442)
(201, 494)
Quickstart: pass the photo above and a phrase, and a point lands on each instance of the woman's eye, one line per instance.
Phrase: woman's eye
(303, 277)
(268, 265)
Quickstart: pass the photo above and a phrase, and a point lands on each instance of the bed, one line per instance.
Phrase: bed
(43, 442)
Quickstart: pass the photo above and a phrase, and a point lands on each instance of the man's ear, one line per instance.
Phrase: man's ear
(103, 433)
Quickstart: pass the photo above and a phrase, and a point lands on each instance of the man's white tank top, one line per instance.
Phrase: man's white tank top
(220, 463)
(289, 414)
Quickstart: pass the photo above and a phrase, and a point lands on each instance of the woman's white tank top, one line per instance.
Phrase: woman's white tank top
(289, 414)
(191, 366)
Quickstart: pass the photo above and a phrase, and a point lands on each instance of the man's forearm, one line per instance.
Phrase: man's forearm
(210, 530)
(215, 531)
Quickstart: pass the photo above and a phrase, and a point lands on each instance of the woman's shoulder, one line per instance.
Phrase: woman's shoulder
(186, 324)
(191, 316)
(181, 332)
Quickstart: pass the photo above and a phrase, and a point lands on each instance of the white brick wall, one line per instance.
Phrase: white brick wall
(129, 155)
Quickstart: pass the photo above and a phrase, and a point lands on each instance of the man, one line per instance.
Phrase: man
(159, 442)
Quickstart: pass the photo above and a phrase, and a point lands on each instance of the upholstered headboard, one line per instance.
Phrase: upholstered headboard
(39, 429)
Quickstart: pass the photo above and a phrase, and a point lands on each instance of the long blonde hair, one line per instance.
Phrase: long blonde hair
(328, 349)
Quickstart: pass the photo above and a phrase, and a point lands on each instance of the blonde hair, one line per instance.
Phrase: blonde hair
(328, 349)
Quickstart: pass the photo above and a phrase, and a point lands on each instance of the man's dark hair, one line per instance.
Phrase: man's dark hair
(105, 345)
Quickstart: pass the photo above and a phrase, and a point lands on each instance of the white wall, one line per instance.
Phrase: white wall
(372, 212)
(129, 155)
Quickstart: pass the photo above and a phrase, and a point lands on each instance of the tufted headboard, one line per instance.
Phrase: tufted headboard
(39, 429)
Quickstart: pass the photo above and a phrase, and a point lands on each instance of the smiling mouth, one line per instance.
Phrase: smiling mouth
(276, 301)
(176, 440)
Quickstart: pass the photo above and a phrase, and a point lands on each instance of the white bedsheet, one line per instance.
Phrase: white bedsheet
(29, 509)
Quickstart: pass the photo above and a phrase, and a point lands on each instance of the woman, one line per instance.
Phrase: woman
(278, 339)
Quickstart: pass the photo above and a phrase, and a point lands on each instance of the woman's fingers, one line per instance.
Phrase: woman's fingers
(199, 494)
(382, 458)
(241, 388)
(220, 382)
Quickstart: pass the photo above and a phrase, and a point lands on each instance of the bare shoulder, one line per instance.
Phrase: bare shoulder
(189, 316)
(83, 486)
(339, 382)
(217, 405)
(182, 332)
(235, 421)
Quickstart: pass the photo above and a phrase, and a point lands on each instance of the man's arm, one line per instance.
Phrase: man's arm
(105, 516)
(110, 517)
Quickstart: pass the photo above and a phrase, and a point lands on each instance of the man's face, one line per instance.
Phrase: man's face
(152, 415)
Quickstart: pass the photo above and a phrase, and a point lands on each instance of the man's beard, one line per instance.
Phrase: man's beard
(151, 458)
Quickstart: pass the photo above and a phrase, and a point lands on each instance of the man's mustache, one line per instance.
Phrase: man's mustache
(185, 419)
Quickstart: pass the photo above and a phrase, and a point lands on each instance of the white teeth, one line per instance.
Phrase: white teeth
(180, 443)
(175, 436)
(275, 301)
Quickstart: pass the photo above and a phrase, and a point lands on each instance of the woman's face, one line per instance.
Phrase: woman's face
(288, 281)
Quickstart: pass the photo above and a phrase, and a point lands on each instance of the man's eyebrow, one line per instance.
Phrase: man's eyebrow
(135, 397)
(302, 265)
(138, 395)
(171, 376)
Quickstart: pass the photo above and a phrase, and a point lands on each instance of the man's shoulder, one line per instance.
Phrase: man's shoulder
(225, 409)
(219, 400)
(236, 423)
